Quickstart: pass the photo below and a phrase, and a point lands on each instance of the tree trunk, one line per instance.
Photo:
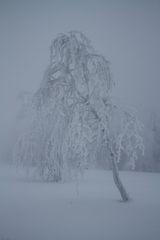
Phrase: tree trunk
(124, 194)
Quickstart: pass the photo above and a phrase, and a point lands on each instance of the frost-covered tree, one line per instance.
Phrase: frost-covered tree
(73, 114)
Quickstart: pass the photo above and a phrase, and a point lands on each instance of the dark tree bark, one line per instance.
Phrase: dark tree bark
(118, 183)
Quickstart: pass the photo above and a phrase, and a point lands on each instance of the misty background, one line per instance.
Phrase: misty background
(36, 203)
(127, 33)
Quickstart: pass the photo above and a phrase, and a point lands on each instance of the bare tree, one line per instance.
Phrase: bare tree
(73, 113)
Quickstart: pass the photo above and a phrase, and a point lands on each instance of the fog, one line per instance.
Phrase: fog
(127, 34)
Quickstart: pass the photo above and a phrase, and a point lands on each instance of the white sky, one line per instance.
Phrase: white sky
(127, 33)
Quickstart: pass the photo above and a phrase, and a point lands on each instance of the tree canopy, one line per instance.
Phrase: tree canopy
(73, 113)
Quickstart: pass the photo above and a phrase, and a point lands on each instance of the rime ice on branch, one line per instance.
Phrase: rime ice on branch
(72, 114)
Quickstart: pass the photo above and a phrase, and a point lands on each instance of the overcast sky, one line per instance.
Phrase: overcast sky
(127, 33)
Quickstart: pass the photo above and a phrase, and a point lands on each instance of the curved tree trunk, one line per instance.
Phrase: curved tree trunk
(124, 194)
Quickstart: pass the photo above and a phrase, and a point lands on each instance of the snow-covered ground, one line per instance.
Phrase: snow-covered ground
(54, 211)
